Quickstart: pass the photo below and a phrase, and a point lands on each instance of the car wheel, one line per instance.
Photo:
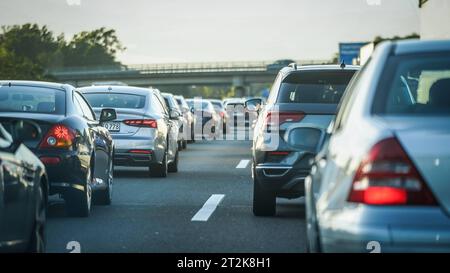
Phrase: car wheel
(159, 170)
(264, 201)
(104, 196)
(184, 143)
(173, 166)
(78, 203)
(38, 239)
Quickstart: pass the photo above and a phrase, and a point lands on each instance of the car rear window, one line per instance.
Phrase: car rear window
(325, 87)
(32, 99)
(415, 85)
(115, 100)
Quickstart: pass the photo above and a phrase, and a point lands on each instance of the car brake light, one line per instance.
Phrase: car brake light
(48, 160)
(278, 118)
(150, 123)
(136, 151)
(278, 153)
(388, 177)
(59, 136)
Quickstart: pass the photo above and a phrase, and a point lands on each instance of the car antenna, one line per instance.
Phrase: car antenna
(343, 64)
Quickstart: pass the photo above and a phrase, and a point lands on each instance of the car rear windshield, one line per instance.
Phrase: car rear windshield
(196, 103)
(32, 99)
(415, 85)
(325, 87)
(115, 100)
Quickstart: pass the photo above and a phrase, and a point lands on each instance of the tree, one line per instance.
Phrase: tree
(97, 47)
(28, 51)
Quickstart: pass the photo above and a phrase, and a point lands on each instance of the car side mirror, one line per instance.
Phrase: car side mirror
(174, 114)
(192, 110)
(23, 131)
(253, 105)
(108, 114)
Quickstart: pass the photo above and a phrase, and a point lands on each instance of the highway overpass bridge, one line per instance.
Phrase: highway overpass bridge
(237, 74)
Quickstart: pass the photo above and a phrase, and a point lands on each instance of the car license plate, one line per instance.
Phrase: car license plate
(112, 126)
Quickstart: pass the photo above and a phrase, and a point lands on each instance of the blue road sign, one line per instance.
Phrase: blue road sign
(350, 51)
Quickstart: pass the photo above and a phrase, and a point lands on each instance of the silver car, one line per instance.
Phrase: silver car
(144, 133)
(381, 183)
(180, 123)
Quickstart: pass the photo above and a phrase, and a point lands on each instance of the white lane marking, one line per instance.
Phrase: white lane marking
(208, 208)
(243, 164)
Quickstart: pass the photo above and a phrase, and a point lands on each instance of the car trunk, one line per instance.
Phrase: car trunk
(122, 115)
(45, 122)
(426, 141)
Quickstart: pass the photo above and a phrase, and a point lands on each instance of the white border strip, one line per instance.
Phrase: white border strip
(208, 208)
(243, 164)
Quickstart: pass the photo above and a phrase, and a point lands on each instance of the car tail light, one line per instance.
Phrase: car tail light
(222, 114)
(59, 136)
(278, 153)
(271, 118)
(388, 177)
(150, 123)
(49, 160)
(137, 151)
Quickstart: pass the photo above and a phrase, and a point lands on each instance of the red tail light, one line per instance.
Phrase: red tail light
(150, 123)
(59, 136)
(136, 151)
(278, 153)
(222, 114)
(283, 117)
(388, 177)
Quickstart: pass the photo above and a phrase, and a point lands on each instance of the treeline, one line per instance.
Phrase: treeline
(28, 51)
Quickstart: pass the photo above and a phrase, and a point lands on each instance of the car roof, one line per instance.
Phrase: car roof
(121, 89)
(215, 100)
(53, 85)
(420, 46)
(301, 68)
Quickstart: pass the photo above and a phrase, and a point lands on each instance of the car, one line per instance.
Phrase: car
(220, 110)
(381, 179)
(279, 64)
(289, 129)
(23, 191)
(189, 117)
(144, 132)
(207, 120)
(180, 123)
(75, 149)
(238, 116)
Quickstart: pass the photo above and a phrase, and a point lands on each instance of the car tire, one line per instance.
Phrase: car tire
(184, 143)
(79, 203)
(264, 201)
(159, 170)
(38, 238)
(104, 196)
(173, 166)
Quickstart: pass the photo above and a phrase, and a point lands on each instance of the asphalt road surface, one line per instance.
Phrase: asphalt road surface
(205, 207)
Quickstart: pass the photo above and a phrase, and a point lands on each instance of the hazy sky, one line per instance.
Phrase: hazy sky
(222, 30)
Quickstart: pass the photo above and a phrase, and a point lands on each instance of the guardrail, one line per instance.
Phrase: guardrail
(175, 68)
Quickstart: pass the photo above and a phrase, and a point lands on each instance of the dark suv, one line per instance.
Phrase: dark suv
(290, 129)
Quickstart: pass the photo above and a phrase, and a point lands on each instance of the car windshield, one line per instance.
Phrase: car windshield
(325, 87)
(115, 100)
(196, 104)
(416, 85)
(217, 105)
(32, 100)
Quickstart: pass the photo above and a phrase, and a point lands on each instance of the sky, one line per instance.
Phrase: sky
(172, 31)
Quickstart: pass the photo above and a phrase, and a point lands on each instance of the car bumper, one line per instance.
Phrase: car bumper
(285, 180)
(69, 173)
(125, 158)
(393, 230)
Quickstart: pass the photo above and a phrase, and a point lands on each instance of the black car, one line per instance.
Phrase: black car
(290, 129)
(76, 150)
(23, 191)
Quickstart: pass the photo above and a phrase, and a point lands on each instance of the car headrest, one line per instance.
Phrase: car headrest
(440, 93)
(46, 107)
